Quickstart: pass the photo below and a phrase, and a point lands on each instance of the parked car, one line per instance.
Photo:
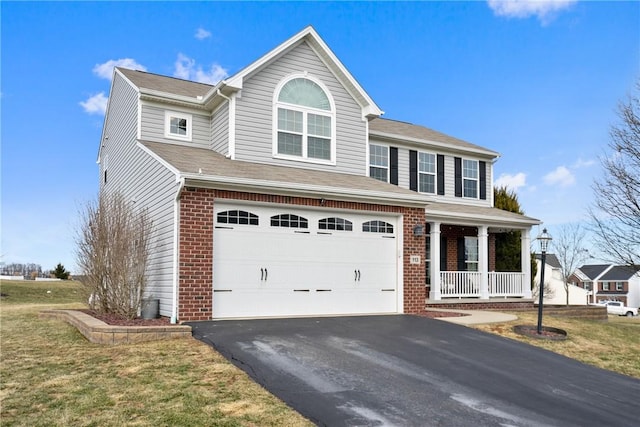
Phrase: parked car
(617, 307)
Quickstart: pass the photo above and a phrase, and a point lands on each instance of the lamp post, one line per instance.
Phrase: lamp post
(544, 240)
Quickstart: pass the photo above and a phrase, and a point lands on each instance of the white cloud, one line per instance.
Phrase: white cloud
(512, 182)
(105, 70)
(560, 176)
(543, 9)
(583, 163)
(96, 104)
(202, 34)
(187, 69)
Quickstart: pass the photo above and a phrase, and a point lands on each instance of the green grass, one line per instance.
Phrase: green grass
(613, 345)
(52, 376)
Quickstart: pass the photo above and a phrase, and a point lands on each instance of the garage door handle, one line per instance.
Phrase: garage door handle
(266, 274)
(357, 275)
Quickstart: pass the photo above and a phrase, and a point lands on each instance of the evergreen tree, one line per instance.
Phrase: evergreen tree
(60, 272)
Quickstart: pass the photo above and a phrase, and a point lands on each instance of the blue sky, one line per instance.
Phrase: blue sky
(538, 82)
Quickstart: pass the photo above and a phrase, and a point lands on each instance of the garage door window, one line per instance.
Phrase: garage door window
(340, 224)
(289, 221)
(237, 217)
(377, 227)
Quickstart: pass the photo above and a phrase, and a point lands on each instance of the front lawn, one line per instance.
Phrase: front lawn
(612, 345)
(51, 375)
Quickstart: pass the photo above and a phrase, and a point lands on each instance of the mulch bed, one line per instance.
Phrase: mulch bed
(435, 314)
(111, 319)
(546, 332)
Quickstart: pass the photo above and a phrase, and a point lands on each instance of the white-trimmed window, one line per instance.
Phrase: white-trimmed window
(177, 125)
(605, 286)
(304, 121)
(471, 253)
(377, 227)
(619, 286)
(379, 162)
(470, 178)
(426, 173)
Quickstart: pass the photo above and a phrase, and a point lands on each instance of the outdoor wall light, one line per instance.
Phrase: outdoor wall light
(418, 230)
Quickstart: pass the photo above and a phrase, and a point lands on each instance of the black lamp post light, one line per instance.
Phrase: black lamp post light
(541, 332)
(544, 239)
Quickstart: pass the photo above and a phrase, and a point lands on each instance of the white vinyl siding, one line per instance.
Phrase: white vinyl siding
(220, 129)
(153, 126)
(145, 181)
(255, 121)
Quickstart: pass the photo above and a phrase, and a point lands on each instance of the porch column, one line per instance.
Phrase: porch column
(483, 260)
(434, 242)
(526, 261)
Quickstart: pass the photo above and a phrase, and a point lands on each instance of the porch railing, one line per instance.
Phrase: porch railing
(459, 284)
(466, 284)
(506, 284)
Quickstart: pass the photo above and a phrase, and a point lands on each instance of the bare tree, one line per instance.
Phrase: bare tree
(549, 292)
(567, 245)
(112, 252)
(616, 207)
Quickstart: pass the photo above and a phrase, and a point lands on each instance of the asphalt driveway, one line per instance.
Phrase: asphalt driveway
(413, 371)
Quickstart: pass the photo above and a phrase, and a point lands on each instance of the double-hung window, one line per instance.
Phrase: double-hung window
(470, 178)
(379, 162)
(427, 173)
(304, 122)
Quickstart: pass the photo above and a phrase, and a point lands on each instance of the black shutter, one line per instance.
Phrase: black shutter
(443, 253)
(393, 165)
(413, 170)
(483, 180)
(440, 176)
(457, 163)
(462, 265)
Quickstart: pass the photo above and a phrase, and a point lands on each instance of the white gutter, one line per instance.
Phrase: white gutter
(450, 147)
(176, 248)
(232, 124)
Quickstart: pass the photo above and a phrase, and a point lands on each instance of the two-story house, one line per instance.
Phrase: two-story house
(607, 282)
(281, 191)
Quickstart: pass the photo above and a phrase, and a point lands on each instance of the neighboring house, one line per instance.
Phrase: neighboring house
(607, 282)
(281, 192)
(555, 282)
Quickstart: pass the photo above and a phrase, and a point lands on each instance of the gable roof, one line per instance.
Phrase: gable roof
(204, 167)
(311, 37)
(397, 130)
(156, 82)
(550, 259)
(594, 270)
(619, 272)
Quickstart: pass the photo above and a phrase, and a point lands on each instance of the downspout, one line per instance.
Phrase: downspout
(231, 125)
(176, 249)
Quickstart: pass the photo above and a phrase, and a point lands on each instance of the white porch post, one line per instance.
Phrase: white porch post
(526, 262)
(434, 237)
(483, 260)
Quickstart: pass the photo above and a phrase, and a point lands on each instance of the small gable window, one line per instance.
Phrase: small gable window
(289, 221)
(377, 227)
(304, 121)
(237, 217)
(339, 224)
(177, 125)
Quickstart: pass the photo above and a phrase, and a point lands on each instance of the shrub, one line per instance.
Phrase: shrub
(112, 252)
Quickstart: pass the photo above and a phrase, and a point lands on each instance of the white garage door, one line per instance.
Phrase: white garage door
(281, 261)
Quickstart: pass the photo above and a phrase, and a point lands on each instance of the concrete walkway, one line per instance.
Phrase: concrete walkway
(476, 317)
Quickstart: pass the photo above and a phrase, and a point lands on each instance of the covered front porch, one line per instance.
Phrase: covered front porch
(461, 256)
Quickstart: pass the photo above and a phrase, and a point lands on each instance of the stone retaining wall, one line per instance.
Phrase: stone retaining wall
(99, 332)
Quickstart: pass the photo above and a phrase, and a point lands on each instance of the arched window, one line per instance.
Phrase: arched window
(335, 224)
(377, 227)
(289, 221)
(304, 120)
(237, 217)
